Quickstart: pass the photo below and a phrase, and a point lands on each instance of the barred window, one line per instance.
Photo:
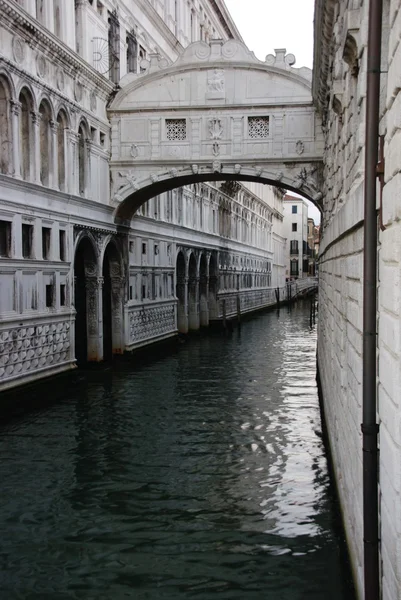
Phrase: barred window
(258, 127)
(176, 129)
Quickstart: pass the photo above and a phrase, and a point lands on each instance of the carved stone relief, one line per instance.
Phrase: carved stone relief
(26, 349)
(215, 129)
(41, 66)
(151, 322)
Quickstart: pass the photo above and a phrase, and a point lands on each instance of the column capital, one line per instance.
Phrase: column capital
(36, 117)
(72, 135)
(15, 107)
(54, 126)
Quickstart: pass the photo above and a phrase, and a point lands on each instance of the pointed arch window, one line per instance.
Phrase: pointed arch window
(61, 150)
(45, 142)
(25, 134)
(82, 160)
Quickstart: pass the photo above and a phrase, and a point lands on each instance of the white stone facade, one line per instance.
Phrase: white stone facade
(295, 222)
(340, 92)
(66, 267)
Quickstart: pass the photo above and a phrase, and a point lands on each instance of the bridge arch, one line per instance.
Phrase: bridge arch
(217, 113)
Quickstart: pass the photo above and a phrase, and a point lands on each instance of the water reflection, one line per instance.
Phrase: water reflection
(199, 475)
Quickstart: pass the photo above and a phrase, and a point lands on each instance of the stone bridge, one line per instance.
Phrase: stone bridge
(217, 113)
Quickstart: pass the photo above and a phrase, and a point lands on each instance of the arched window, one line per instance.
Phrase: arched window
(61, 150)
(45, 142)
(25, 133)
(82, 164)
(5, 128)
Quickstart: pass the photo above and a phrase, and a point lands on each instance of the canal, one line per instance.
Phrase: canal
(195, 475)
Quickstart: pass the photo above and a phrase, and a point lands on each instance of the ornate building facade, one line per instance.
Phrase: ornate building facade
(73, 285)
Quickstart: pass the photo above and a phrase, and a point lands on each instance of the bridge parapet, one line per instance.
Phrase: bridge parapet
(216, 113)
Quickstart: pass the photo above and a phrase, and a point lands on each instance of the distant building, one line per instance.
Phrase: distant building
(313, 246)
(295, 228)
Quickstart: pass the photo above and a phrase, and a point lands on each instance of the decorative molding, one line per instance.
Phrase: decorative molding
(41, 66)
(18, 46)
(148, 322)
(134, 151)
(299, 147)
(215, 129)
(93, 101)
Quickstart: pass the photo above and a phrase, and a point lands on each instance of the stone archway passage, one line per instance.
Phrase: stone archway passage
(217, 113)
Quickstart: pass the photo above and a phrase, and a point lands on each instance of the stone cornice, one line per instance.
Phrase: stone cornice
(323, 39)
(16, 18)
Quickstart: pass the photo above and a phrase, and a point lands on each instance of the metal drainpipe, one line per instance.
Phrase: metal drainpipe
(369, 424)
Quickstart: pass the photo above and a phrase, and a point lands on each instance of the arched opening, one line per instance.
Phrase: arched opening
(82, 165)
(203, 292)
(180, 292)
(86, 317)
(304, 183)
(61, 150)
(5, 128)
(45, 142)
(213, 286)
(112, 302)
(193, 295)
(25, 134)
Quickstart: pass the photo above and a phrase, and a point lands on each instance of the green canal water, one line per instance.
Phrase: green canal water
(200, 474)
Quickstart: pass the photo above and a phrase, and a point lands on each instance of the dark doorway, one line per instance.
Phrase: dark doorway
(85, 263)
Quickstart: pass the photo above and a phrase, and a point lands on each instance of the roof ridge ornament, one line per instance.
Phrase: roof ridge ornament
(280, 59)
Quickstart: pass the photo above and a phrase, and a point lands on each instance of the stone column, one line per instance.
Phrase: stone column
(15, 115)
(68, 23)
(82, 29)
(94, 307)
(48, 17)
(36, 117)
(54, 146)
(30, 7)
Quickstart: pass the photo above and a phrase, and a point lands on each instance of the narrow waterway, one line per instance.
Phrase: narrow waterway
(198, 475)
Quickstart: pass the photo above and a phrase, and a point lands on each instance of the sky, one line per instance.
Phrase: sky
(269, 24)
